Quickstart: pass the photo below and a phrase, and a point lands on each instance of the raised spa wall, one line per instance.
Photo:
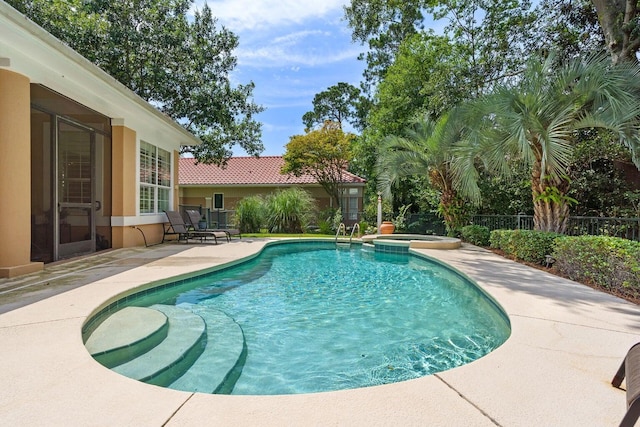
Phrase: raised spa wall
(414, 241)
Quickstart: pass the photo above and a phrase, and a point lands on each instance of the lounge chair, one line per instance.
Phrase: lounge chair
(194, 217)
(630, 368)
(178, 227)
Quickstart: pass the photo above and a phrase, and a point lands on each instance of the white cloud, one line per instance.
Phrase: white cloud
(298, 36)
(240, 15)
(277, 56)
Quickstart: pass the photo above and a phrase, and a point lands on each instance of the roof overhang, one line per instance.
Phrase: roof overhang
(27, 49)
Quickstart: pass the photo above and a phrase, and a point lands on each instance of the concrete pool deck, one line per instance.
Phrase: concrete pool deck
(555, 370)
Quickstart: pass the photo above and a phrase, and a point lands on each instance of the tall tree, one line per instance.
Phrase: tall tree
(179, 65)
(422, 80)
(339, 104)
(490, 38)
(483, 42)
(491, 33)
(68, 20)
(621, 26)
(383, 25)
(568, 27)
(536, 118)
(322, 153)
(202, 96)
(426, 148)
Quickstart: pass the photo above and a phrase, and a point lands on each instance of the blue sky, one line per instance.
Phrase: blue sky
(291, 50)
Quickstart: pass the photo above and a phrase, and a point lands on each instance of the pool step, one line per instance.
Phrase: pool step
(220, 365)
(127, 334)
(185, 341)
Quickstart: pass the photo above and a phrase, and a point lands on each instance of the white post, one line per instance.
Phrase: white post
(379, 212)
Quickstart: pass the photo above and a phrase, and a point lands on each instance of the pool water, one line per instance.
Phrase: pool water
(316, 318)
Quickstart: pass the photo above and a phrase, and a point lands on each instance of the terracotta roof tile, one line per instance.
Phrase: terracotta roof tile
(245, 171)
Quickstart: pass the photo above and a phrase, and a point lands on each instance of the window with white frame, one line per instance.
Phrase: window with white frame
(155, 178)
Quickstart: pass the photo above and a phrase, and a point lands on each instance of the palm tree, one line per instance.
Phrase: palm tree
(425, 149)
(535, 120)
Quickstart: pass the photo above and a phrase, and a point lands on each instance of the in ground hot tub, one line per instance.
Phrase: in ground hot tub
(415, 241)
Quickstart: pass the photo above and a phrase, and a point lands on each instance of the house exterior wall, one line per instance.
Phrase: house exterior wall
(29, 56)
(15, 175)
(202, 196)
(124, 155)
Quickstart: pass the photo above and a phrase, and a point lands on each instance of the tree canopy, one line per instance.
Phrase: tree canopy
(481, 49)
(323, 153)
(536, 119)
(425, 147)
(339, 104)
(620, 23)
(179, 65)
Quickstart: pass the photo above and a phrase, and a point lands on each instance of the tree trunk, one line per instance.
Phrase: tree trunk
(452, 209)
(550, 204)
(550, 216)
(618, 21)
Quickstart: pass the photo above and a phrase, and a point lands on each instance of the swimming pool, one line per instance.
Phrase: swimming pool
(316, 318)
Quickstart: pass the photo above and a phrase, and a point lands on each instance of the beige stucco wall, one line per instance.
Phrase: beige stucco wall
(198, 195)
(131, 236)
(15, 178)
(124, 157)
(175, 179)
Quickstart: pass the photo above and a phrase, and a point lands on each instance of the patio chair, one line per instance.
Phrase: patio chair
(630, 368)
(194, 217)
(178, 227)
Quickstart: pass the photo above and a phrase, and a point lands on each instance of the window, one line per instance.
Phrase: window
(155, 178)
(218, 201)
(350, 204)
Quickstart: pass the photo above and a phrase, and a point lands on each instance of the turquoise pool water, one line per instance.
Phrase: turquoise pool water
(316, 318)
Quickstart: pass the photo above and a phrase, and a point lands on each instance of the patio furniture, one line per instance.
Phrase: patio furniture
(630, 368)
(178, 227)
(194, 217)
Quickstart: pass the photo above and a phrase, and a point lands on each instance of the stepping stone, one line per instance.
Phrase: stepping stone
(172, 357)
(127, 334)
(221, 362)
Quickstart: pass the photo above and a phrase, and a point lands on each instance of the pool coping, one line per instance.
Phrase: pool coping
(555, 369)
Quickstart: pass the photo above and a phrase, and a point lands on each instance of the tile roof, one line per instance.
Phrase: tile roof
(246, 171)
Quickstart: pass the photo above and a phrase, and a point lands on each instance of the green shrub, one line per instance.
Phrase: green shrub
(288, 211)
(475, 234)
(249, 214)
(525, 245)
(609, 262)
(364, 226)
(496, 237)
(325, 227)
(329, 220)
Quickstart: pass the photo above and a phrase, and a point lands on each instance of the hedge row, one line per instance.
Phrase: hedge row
(475, 234)
(609, 262)
(526, 245)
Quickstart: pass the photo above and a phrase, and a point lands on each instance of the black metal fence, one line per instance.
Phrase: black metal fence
(425, 223)
(626, 228)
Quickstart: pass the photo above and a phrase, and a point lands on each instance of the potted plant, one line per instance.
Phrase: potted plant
(387, 227)
(202, 224)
